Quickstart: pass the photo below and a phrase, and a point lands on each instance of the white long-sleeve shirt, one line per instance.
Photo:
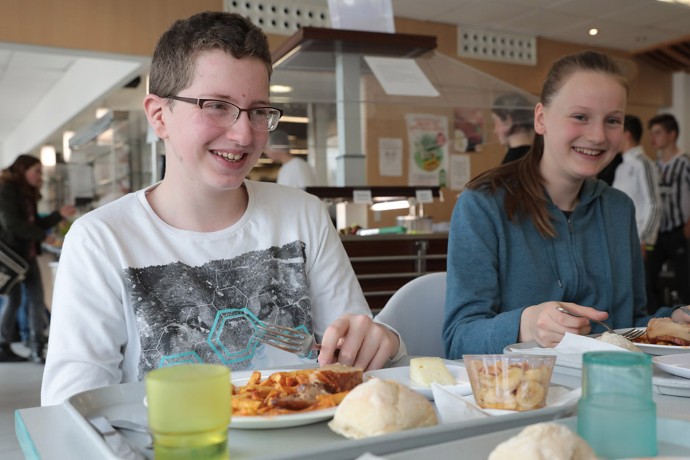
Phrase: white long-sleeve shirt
(638, 177)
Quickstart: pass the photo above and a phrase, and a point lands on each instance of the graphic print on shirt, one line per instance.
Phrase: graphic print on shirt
(208, 313)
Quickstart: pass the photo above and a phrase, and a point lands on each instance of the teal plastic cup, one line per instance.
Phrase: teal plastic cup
(616, 413)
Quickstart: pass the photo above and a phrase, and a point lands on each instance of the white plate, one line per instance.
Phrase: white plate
(674, 364)
(402, 375)
(662, 350)
(262, 422)
(650, 349)
(657, 350)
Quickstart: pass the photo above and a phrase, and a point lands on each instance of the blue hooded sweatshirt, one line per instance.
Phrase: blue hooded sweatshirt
(497, 267)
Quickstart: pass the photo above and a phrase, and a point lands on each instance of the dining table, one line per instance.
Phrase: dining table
(62, 431)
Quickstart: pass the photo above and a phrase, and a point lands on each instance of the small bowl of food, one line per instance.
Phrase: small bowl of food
(510, 382)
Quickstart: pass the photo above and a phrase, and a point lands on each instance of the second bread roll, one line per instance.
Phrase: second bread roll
(378, 407)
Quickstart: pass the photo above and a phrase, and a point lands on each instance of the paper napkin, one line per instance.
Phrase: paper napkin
(452, 406)
(569, 351)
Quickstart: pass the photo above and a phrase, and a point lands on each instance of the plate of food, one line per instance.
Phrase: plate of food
(662, 350)
(280, 399)
(264, 422)
(421, 372)
(664, 337)
(674, 364)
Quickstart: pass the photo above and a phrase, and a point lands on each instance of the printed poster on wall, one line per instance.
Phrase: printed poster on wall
(428, 145)
(468, 130)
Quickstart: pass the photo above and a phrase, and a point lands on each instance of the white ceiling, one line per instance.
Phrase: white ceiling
(45, 91)
(33, 81)
(623, 24)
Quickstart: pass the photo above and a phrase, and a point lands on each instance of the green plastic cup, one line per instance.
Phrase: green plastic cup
(616, 414)
(189, 411)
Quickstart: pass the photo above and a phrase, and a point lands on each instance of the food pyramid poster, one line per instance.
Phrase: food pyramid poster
(428, 149)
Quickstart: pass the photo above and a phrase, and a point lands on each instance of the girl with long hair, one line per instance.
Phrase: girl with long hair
(542, 232)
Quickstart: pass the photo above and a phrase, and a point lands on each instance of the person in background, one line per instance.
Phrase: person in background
(608, 174)
(513, 117)
(294, 172)
(23, 230)
(186, 269)
(530, 236)
(674, 232)
(638, 177)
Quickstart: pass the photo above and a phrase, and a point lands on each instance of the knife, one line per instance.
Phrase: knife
(117, 443)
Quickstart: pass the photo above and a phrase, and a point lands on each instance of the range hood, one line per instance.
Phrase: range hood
(307, 62)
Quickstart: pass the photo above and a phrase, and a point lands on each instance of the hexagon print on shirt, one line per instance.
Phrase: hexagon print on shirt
(209, 313)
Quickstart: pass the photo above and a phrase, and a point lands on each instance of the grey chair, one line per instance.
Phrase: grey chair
(416, 312)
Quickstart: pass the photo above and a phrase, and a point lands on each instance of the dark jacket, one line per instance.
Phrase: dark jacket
(15, 228)
(515, 153)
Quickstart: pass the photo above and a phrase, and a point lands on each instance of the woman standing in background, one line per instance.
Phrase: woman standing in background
(513, 117)
(23, 230)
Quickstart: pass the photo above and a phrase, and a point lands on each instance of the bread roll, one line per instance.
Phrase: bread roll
(544, 441)
(378, 407)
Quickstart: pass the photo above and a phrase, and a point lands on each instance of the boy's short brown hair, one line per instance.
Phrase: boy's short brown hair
(172, 66)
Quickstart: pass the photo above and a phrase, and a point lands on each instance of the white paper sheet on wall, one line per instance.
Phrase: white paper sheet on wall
(460, 171)
(390, 156)
(400, 76)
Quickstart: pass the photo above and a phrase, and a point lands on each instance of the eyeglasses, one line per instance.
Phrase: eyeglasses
(224, 114)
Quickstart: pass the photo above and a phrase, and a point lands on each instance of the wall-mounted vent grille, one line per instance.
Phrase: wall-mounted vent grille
(496, 46)
(282, 17)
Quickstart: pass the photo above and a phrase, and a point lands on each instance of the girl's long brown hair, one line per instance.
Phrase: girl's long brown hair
(524, 186)
(16, 174)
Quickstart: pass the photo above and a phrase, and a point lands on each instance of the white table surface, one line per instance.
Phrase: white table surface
(51, 433)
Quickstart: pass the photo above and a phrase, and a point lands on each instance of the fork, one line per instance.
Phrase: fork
(629, 334)
(286, 338)
(136, 428)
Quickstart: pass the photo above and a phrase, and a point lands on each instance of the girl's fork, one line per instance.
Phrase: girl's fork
(629, 334)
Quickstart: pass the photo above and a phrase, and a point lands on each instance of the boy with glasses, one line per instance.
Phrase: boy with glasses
(184, 270)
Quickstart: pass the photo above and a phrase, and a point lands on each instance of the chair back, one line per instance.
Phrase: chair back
(416, 311)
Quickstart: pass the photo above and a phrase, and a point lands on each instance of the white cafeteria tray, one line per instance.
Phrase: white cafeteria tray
(672, 438)
(309, 442)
